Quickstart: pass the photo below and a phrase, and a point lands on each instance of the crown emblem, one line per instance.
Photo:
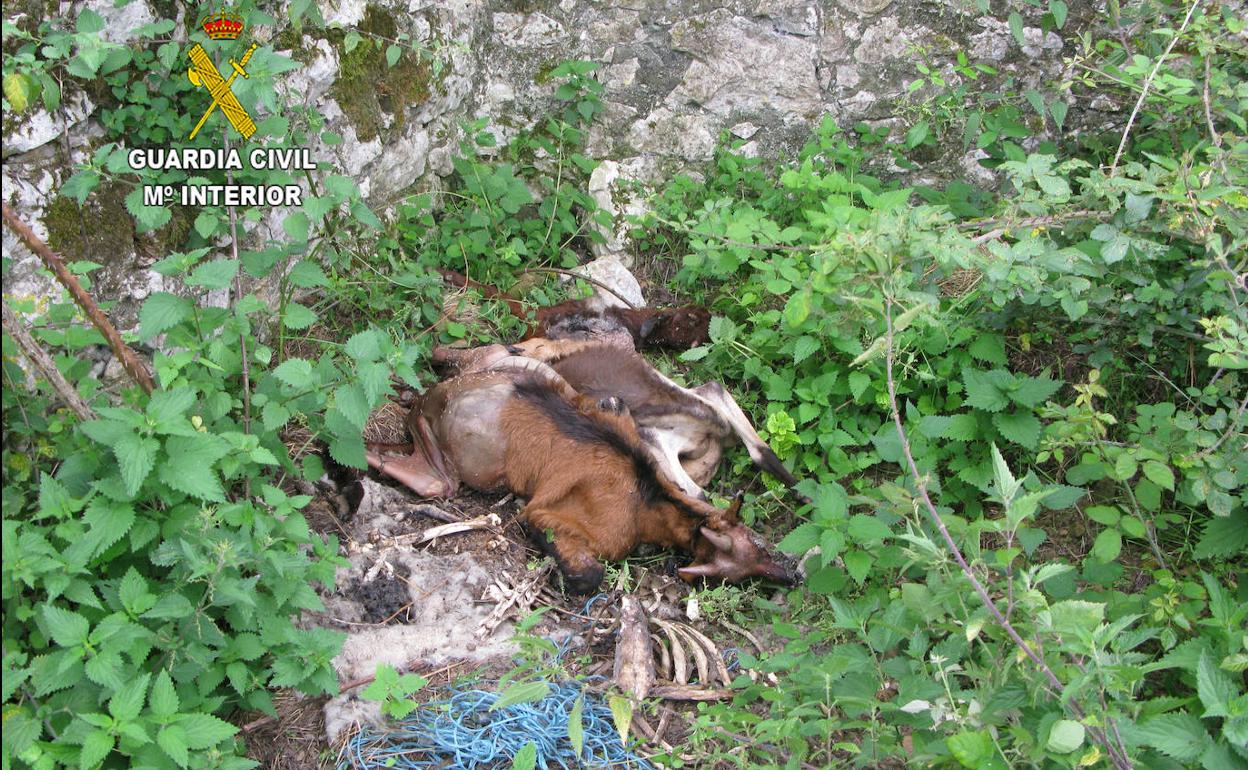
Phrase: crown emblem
(223, 26)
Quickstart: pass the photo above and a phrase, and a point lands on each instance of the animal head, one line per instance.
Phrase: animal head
(678, 328)
(730, 551)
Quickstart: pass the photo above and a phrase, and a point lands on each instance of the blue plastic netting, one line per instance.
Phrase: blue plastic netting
(461, 732)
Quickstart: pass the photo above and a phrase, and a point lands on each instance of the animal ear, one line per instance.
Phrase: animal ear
(721, 541)
(733, 514)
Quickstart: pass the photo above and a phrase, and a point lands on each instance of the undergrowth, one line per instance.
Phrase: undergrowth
(1067, 352)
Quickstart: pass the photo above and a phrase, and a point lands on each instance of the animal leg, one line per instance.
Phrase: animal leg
(726, 406)
(424, 471)
(582, 572)
(665, 448)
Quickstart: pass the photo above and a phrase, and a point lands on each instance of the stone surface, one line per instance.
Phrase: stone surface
(677, 77)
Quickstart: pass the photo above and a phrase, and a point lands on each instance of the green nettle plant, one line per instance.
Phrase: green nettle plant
(154, 557)
(1019, 413)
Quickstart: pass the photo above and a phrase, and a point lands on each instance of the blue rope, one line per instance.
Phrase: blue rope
(461, 732)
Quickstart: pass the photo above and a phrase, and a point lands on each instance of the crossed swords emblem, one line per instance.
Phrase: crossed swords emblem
(204, 72)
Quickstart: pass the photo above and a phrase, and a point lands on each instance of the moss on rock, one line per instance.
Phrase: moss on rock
(367, 87)
(101, 230)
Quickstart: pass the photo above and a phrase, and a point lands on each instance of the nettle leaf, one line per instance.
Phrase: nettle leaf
(351, 401)
(348, 450)
(1019, 427)
(990, 348)
(364, 346)
(858, 382)
(296, 316)
(274, 415)
(167, 405)
(962, 427)
(203, 731)
(1033, 391)
(136, 456)
(134, 594)
(160, 312)
(295, 372)
(189, 462)
(525, 758)
(109, 522)
(307, 275)
(375, 379)
(1215, 688)
(216, 274)
(804, 348)
(1178, 735)
(128, 701)
(95, 747)
(68, 629)
(984, 390)
(172, 741)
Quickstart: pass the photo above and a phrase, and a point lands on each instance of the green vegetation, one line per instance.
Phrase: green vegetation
(1035, 393)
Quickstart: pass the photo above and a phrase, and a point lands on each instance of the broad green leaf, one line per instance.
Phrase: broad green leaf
(188, 466)
(126, 704)
(1033, 391)
(1107, 546)
(1019, 427)
(990, 348)
(521, 692)
(216, 274)
(576, 726)
(867, 529)
(95, 747)
(203, 731)
(972, 749)
(858, 564)
(164, 700)
(1065, 736)
(1059, 11)
(1160, 474)
(1215, 688)
(525, 758)
(68, 629)
(1178, 735)
(622, 712)
(307, 275)
(161, 312)
(296, 316)
(1016, 27)
(172, 741)
(295, 372)
(858, 382)
(136, 457)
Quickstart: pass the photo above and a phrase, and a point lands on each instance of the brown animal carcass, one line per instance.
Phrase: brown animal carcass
(673, 328)
(684, 429)
(593, 490)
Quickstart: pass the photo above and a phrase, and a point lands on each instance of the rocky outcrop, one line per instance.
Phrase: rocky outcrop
(678, 76)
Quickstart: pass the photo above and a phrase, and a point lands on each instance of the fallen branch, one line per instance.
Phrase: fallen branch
(129, 359)
(687, 693)
(1117, 754)
(43, 362)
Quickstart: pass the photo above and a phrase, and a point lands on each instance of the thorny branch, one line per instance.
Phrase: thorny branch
(129, 359)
